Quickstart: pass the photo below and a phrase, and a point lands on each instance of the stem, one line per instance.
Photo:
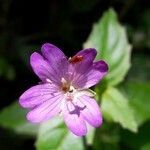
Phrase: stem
(85, 143)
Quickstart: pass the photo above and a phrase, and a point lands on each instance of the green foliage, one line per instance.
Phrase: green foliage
(137, 141)
(139, 96)
(146, 146)
(53, 135)
(110, 39)
(129, 106)
(116, 107)
(107, 137)
(13, 117)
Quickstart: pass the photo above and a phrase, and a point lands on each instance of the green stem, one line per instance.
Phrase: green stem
(84, 143)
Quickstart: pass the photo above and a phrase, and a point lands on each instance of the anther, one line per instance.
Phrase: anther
(71, 89)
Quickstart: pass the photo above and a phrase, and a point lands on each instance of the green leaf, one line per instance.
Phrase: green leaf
(115, 107)
(137, 141)
(53, 135)
(14, 117)
(110, 39)
(107, 137)
(146, 147)
(139, 96)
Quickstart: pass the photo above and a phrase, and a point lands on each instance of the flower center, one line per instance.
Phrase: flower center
(67, 89)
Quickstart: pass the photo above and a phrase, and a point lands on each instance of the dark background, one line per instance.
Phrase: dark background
(26, 24)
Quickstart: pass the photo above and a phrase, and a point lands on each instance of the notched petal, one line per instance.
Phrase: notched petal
(52, 53)
(74, 120)
(46, 110)
(101, 65)
(96, 73)
(40, 66)
(92, 112)
(88, 53)
(37, 95)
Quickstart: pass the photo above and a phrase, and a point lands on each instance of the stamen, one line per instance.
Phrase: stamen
(71, 89)
(48, 80)
(63, 80)
(65, 85)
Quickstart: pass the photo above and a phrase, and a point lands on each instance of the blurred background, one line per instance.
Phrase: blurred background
(26, 24)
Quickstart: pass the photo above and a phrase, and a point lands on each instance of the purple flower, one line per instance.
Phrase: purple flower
(65, 88)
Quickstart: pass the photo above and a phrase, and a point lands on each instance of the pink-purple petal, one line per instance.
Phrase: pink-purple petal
(93, 75)
(88, 58)
(52, 53)
(56, 59)
(37, 95)
(77, 68)
(42, 68)
(46, 110)
(91, 113)
(89, 53)
(74, 120)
